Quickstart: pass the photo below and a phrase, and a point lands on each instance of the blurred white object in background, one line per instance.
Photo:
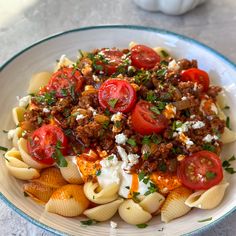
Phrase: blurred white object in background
(171, 7)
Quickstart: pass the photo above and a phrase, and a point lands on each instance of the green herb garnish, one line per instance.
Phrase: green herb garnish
(146, 155)
(151, 96)
(162, 167)
(98, 172)
(228, 122)
(227, 165)
(110, 157)
(204, 220)
(112, 102)
(164, 53)
(3, 149)
(58, 156)
(88, 222)
(142, 226)
(210, 175)
(141, 175)
(155, 110)
(105, 124)
(208, 147)
(131, 142)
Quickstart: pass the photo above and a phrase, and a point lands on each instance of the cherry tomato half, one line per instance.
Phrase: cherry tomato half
(197, 76)
(117, 95)
(64, 81)
(202, 170)
(43, 141)
(109, 60)
(145, 121)
(144, 57)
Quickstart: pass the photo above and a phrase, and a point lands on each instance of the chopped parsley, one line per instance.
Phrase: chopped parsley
(105, 124)
(64, 92)
(142, 77)
(142, 226)
(88, 222)
(208, 147)
(151, 96)
(228, 122)
(151, 189)
(164, 53)
(154, 138)
(141, 175)
(98, 172)
(227, 107)
(112, 102)
(162, 167)
(146, 140)
(227, 165)
(146, 155)
(107, 112)
(135, 196)
(161, 72)
(155, 110)
(131, 142)
(117, 124)
(210, 175)
(110, 158)
(39, 120)
(58, 156)
(5, 131)
(3, 149)
(204, 220)
(48, 98)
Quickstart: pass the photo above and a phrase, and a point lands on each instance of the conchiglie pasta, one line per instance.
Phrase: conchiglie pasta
(103, 212)
(22, 145)
(18, 114)
(71, 173)
(221, 100)
(220, 113)
(152, 202)
(174, 205)
(107, 194)
(132, 44)
(38, 81)
(68, 200)
(18, 168)
(208, 199)
(133, 213)
(16, 136)
(228, 136)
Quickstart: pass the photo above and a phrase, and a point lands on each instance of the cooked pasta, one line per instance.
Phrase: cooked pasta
(103, 212)
(18, 114)
(228, 136)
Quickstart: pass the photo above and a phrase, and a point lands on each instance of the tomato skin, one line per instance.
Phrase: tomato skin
(197, 76)
(120, 90)
(212, 164)
(143, 121)
(114, 57)
(42, 143)
(144, 57)
(62, 81)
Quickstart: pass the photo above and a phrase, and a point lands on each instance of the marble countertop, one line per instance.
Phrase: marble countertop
(22, 22)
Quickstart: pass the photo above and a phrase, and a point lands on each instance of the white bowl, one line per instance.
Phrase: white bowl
(41, 56)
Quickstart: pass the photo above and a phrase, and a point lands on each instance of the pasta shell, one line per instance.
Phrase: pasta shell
(38, 81)
(64, 62)
(51, 177)
(107, 194)
(208, 199)
(228, 136)
(38, 192)
(103, 212)
(132, 44)
(68, 200)
(174, 205)
(221, 100)
(18, 114)
(133, 213)
(22, 145)
(152, 202)
(17, 136)
(220, 113)
(71, 173)
(18, 168)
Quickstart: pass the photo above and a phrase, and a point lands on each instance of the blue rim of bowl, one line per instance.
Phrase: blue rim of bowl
(131, 27)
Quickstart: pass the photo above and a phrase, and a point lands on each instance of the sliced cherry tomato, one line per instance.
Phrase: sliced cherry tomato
(197, 76)
(145, 121)
(117, 95)
(201, 170)
(109, 60)
(65, 81)
(144, 57)
(44, 141)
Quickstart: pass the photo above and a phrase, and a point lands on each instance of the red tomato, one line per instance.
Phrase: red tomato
(197, 76)
(145, 122)
(64, 81)
(144, 57)
(110, 60)
(117, 95)
(202, 170)
(43, 141)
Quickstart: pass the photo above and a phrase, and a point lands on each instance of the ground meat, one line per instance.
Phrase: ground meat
(213, 91)
(90, 100)
(185, 64)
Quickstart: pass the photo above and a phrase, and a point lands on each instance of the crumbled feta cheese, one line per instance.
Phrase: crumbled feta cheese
(117, 116)
(198, 124)
(186, 140)
(109, 161)
(24, 101)
(46, 110)
(192, 116)
(96, 78)
(122, 153)
(208, 138)
(113, 224)
(195, 87)
(170, 111)
(184, 98)
(183, 128)
(173, 65)
(133, 159)
(94, 111)
(121, 138)
(80, 117)
(11, 133)
(64, 61)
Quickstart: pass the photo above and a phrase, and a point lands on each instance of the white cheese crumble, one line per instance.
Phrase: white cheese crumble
(208, 138)
(46, 110)
(173, 65)
(11, 133)
(109, 161)
(198, 124)
(113, 224)
(184, 98)
(117, 116)
(24, 101)
(121, 138)
(94, 111)
(80, 117)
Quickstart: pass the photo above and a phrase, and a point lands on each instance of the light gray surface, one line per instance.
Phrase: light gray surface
(24, 22)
